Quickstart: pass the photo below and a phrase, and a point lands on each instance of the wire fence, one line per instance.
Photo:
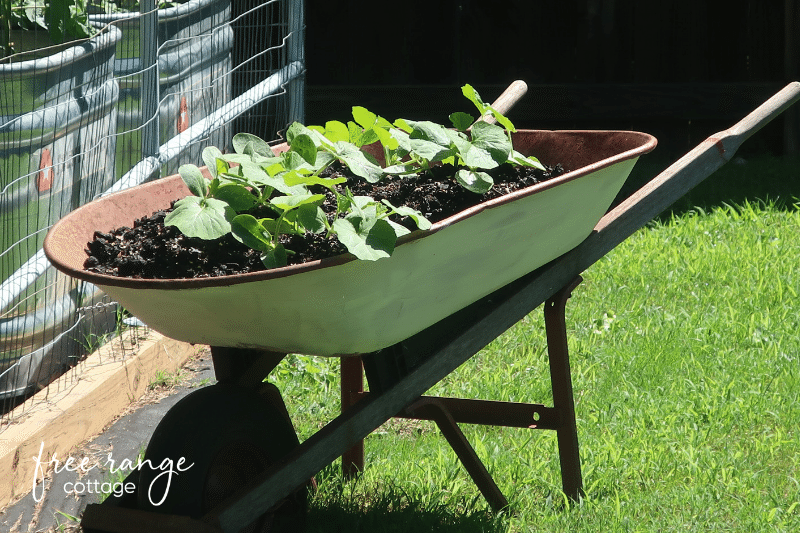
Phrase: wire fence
(142, 96)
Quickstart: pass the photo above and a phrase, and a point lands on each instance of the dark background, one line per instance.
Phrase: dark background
(680, 69)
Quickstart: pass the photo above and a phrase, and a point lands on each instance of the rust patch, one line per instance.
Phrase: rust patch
(720, 146)
(46, 176)
(183, 116)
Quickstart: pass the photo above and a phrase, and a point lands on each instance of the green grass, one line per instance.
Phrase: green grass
(686, 368)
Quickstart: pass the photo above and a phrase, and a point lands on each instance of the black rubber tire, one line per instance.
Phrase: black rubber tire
(229, 435)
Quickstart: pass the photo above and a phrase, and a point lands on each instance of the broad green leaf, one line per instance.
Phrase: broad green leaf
(274, 258)
(336, 131)
(405, 211)
(477, 182)
(213, 159)
(290, 202)
(354, 131)
(430, 151)
(459, 141)
(358, 162)
(403, 125)
(403, 139)
(430, 131)
(251, 144)
(526, 161)
(304, 145)
(194, 180)
(249, 231)
(492, 139)
(476, 157)
(206, 218)
(461, 121)
(235, 195)
(367, 137)
(365, 118)
(293, 160)
(308, 217)
(295, 178)
(368, 241)
(386, 138)
(399, 229)
(296, 130)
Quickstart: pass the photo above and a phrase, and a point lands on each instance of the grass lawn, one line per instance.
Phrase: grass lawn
(685, 359)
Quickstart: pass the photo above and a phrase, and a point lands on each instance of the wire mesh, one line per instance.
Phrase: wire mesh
(144, 95)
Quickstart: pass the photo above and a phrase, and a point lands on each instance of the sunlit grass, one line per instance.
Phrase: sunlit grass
(685, 360)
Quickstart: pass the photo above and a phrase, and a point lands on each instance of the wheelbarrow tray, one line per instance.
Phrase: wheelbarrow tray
(340, 306)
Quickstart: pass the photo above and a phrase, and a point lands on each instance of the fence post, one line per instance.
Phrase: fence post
(296, 52)
(150, 97)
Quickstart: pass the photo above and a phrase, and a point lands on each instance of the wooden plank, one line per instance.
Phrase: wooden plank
(100, 389)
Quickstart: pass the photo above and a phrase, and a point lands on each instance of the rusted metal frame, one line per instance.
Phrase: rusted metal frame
(352, 389)
(490, 413)
(436, 411)
(561, 382)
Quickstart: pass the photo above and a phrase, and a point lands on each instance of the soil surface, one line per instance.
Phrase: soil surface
(154, 251)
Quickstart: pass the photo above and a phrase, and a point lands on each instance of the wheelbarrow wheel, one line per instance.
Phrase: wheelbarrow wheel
(214, 441)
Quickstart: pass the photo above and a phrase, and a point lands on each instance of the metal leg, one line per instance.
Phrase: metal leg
(567, 433)
(352, 386)
(435, 410)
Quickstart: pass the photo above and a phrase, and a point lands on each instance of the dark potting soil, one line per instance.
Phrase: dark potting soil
(154, 251)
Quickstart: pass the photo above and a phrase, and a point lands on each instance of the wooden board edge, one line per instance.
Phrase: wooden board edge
(100, 389)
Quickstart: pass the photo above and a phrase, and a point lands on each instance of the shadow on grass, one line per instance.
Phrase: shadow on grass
(744, 179)
(352, 507)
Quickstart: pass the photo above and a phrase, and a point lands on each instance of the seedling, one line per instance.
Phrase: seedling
(292, 187)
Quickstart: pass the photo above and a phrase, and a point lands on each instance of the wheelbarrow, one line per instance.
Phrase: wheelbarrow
(221, 423)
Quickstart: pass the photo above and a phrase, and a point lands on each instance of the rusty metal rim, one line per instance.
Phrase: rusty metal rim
(648, 144)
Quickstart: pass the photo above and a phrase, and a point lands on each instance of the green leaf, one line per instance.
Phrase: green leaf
(502, 120)
(249, 231)
(386, 138)
(274, 258)
(366, 119)
(212, 157)
(492, 139)
(430, 151)
(336, 131)
(403, 125)
(194, 180)
(473, 96)
(367, 241)
(405, 211)
(477, 182)
(290, 202)
(309, 218)
(476, 157)
(461, 121)
(295, 178)
(247, 143)
(526, 161)
(235, 195)
(358, 163)
(367, 137)
(430, 131)
(304, 145)
(206, 218)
